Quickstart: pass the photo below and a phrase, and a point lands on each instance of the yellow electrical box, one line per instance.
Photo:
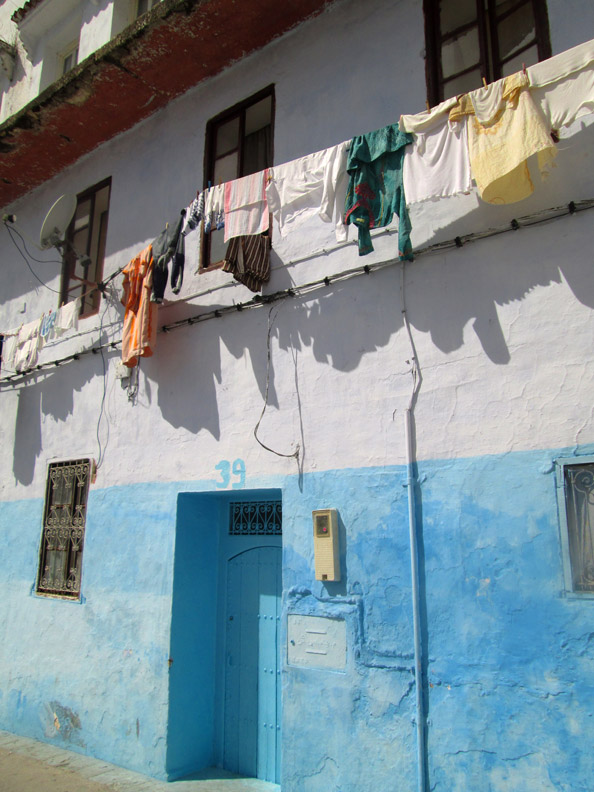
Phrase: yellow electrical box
(326, 545)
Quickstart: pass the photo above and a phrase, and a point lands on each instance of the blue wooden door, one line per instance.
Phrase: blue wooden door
(252, 671)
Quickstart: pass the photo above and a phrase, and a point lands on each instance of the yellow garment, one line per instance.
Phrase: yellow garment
(498, 147)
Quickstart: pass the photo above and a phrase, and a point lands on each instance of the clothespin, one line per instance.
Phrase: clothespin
(427, 105)
(484, 82)
(524, 69)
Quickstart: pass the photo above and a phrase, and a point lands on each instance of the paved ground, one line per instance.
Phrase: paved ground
(30, 766)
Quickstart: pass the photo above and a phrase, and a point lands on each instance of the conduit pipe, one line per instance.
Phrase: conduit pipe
(413, 541)
(414, 573)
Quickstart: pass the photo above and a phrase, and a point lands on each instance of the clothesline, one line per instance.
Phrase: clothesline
(485, 137)
(258, 301)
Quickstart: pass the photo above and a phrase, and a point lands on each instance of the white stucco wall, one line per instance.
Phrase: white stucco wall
(43, 36)
(475, 340)
(502, 329)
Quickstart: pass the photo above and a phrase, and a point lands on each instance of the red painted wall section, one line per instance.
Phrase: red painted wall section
(181, 43)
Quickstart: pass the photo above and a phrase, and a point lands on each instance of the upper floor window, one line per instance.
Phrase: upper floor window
(143, 6)
(575, 482)
(64, 518)
(69, 57)
(85, 249)
(468, 40)
(238, 142)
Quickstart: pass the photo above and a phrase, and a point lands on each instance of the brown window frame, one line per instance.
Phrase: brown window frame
(212, 125)
(491, 64)
(90, 305)
(63, 531)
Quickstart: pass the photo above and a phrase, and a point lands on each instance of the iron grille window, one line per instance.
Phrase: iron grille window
(64, 517)
(257, 518)
(85, 249)
(578, 525)
(467, 40)
(238, 143)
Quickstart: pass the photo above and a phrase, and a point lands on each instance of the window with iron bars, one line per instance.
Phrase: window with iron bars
(468, 40)
(255, 518)
(63, 533)
(575, 498)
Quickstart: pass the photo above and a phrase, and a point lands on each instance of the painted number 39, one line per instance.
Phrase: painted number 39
(238, 471)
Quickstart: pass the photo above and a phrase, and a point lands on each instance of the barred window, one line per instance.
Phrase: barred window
(576, 511)
(64, 517)
(255, 518)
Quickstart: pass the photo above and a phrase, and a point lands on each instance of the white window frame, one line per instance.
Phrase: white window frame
(71, 49)
(560, 465)
(151, 4)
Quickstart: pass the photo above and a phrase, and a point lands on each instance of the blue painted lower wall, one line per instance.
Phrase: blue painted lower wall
(128, 674)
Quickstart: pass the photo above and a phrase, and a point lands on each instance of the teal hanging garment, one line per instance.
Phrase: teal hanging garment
(375, 191)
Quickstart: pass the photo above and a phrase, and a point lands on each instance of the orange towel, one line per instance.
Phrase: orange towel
(140, 320)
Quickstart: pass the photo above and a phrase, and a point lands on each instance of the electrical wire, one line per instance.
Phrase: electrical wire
(32, 271)
(101, 411)
(295, 453)
(97, 287)
(27, 251)
(258, 301)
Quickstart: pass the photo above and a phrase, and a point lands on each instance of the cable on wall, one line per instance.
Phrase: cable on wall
(31, 270)
(258, 301)
(295, 453)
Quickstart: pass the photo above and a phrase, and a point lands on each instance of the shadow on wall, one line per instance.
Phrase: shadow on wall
(445, 295)
(346, 321)
(52, 394)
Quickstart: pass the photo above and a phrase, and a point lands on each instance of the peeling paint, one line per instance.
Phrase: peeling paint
(162, 47)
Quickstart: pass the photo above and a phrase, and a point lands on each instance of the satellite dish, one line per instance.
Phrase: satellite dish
(57, 221)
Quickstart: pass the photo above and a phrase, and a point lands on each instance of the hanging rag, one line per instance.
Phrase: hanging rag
(168, 246)
(214, 208)
(248, 259)
(437, 164)
(193, 214)
(66, 318)
(504, 129)
(310, 186)
(375, 192)
(28, 343)
(246, 209)
(563, 86)
(9, 346)
(139, 333)
(47, 325)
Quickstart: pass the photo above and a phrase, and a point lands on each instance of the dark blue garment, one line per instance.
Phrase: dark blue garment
(167, 246)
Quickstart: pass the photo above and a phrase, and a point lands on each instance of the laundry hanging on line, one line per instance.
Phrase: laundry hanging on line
(437, 164)
(504, 129)
(139, 333)
(22, 345)
(448, 153)
(375, 191)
